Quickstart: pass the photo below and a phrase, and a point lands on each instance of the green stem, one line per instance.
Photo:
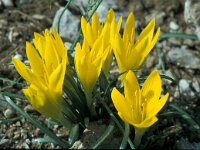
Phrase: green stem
(126, 136)
(90, 104)
(139, 132)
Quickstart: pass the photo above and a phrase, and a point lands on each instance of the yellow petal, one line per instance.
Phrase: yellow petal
(95, 24)
(56, 80)
(129, 29)
(121, 106)
(130, 87)
(90, 35)
(83, 26)
(61, 49)
(146, 123)
(35, 60)
(156, 106)
(119, 24)
(110, 16)
(152, 87)
(148, 31)
(155, 39)
(39, 42)
(28, 75)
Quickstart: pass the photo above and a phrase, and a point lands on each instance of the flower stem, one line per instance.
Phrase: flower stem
(90, 104)
(139, 132)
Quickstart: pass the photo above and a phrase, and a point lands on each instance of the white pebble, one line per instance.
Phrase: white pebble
(173, 25)
(18, 56)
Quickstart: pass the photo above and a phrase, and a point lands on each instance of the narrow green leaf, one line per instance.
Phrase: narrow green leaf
(103, 136)
(185, 116)
(42, 127)
(7, 121)
(13, 95)
(178, 35)
(74, 133)
(125, 137)
(103, 82)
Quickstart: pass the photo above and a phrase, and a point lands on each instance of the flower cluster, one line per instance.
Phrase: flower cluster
(48, 61)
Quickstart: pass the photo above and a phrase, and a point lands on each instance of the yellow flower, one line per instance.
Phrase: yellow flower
(48, 60)
(93, 31)
(88, 63)
(129, 54)
(139, 107)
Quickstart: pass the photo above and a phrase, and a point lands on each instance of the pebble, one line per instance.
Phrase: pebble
(18, 56)
(29, 108)
(173, 25)
(195, 85)
(7, 3)
(185, 88)
(9, 113)
(184, 58)
(68, 24)
(184, 85)
(4, 142)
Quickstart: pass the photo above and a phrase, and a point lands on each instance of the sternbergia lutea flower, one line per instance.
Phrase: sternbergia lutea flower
(139, 107)
(107, 30)
(130, 54)
(48, 60)
(88, 64)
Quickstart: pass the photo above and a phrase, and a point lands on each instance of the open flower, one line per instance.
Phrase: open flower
(88, 64)
(48, 60)
(129, 54)
(107, 30)
(139, 107)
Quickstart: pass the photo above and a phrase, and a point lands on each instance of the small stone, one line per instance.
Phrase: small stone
(29, 108)
(184, 85)
(68, 24)
(27, 62)
(16, 136)
(173, 25)
(18, 56)
(9, 113)
(4, 142)
(195, 85)
(185, 88)
(8, 3)
(184, 58)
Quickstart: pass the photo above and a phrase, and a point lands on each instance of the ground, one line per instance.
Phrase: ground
(174, 57)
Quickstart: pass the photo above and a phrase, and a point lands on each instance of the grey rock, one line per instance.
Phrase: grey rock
(29, 108)
(104, 8)
(8, 3)
(192, 14)
(9, 113)
(195, 85)
(184, 58)
(184, 85)
(185, 88)
(68, 24)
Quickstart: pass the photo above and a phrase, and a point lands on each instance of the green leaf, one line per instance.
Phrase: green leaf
(103, 137)
(74, 133)
(103, 82)
(185, 116)
(178, 35)
(125, 137)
